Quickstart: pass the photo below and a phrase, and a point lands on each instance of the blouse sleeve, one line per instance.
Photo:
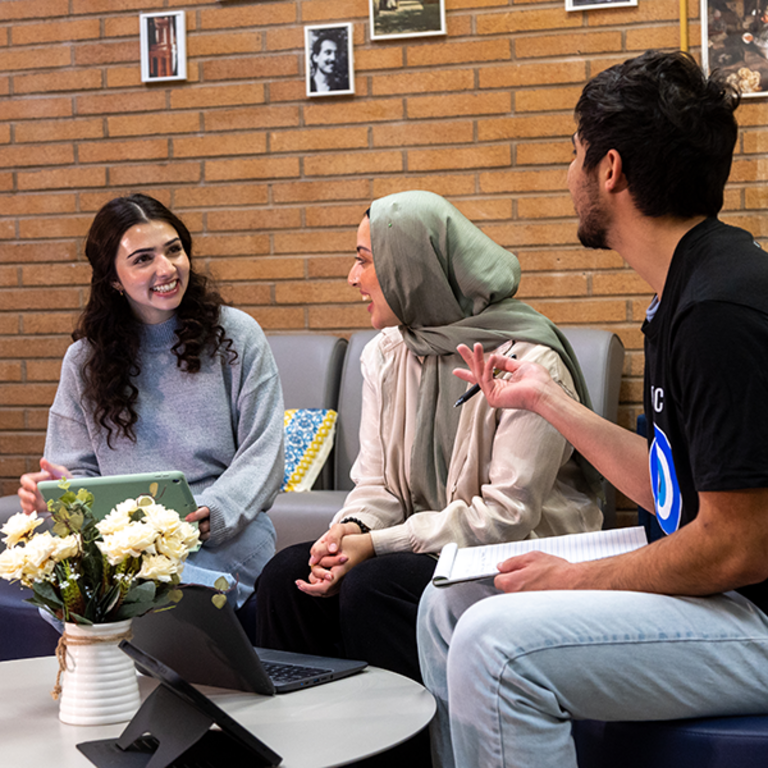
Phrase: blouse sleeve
(251, 481)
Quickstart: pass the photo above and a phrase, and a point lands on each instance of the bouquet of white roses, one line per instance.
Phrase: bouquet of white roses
(90, 572)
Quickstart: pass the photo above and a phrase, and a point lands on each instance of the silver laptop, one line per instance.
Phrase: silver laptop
(208, 646)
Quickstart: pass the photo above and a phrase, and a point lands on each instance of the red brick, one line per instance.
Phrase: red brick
(267, 168)
(105, 103)
(317, 11)
(215, 145)
(522, 181)
(308, 140)
(423, 82)
(441, 184)
(30, 204)
(225, 43)
(70, 178)
(204, 97)
(56, 274)
(114, 151)
(69, 80)
(232, 245)
(346, 112)
(250, 69)
(568, 44)
(49, 322)
(43, 227)
(258, 269)
(268, 116)
(514, 75)
(245, 16)
(316, 191)
(31, 108)
(329, 164)
(335, 216)
(107, 53)
(23, 253)
(61, 31)
(415, 134)
(166, 173)
(452, 105)
(270, 218)
(229, 196)
(32, 9)
(18, 156)
(543, 153)
(546, 99)
(439, 54)
(141, 125)
(59, 130)
(312, 242)
(471, 157)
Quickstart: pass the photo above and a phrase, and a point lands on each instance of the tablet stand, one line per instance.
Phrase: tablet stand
(177, 727)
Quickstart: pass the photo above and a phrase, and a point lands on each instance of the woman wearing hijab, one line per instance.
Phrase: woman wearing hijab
(427, 473)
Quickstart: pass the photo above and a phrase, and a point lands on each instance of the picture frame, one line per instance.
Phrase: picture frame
(406, 18)
(734, 40)
(593, 5)
(163, 39)
(329, 61)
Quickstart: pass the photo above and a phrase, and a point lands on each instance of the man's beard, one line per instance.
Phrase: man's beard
(593, 222)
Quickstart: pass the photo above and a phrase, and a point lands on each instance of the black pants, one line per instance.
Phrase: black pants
(373, 617)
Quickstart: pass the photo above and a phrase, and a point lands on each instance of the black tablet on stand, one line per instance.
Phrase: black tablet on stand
(175, 722)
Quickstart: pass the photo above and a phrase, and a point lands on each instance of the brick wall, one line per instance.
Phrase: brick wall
(272, 184)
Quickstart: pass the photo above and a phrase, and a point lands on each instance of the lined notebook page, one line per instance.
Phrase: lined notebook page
(480, 562)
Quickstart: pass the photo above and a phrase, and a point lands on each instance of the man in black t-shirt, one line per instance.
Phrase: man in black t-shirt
(678, 628)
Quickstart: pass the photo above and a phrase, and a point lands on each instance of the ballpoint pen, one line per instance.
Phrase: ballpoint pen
(475, 388)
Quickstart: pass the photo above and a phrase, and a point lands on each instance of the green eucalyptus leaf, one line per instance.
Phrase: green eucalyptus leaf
(221, 584)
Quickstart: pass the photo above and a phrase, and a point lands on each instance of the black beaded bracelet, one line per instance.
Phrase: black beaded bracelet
(359, 523)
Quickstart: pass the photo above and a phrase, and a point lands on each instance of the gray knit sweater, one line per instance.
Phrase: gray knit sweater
(222, 426)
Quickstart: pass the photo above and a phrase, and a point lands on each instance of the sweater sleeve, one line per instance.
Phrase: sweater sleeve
(251, 481)
(68, 440)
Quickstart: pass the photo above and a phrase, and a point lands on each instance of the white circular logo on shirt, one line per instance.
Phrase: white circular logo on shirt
(666, 490)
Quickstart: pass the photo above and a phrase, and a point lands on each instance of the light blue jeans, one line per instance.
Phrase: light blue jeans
(510, 672)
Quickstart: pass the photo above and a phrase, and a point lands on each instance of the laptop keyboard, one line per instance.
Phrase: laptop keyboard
(288, 673)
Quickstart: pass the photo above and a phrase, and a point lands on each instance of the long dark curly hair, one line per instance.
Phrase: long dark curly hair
(112, 330)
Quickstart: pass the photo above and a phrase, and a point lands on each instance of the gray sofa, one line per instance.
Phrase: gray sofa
(322, 372)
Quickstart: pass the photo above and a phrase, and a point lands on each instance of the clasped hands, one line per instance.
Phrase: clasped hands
(332, 556)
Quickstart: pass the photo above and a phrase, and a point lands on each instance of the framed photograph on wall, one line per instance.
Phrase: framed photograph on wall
(328, 53)
(406, 18)
(588, 5)
(734, 40)
(163, 46)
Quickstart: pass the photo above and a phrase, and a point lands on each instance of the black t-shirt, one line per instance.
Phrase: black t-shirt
(706, 375)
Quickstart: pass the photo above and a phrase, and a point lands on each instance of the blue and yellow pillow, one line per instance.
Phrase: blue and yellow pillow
(309, 436)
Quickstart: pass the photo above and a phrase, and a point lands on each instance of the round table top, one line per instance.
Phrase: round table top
(328, 725)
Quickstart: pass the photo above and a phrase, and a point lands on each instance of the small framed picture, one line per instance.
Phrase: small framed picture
(406, 18)
(587, 5)
(734, 40)
(163, 46)
(328, 53)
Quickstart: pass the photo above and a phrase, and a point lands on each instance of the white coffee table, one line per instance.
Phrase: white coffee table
(329, 725)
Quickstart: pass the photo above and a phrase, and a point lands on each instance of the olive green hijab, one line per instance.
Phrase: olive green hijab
(449, 284)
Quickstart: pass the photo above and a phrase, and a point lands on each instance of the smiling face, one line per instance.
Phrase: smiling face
(153, 270)
(363, 277)
(325, 59)
(583, 186)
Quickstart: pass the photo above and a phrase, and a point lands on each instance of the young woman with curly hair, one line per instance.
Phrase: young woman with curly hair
(163, 375)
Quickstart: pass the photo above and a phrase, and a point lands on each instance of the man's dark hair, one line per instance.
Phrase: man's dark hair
(673, 127)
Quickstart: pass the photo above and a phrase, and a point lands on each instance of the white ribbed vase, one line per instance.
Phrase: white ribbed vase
(99, 683)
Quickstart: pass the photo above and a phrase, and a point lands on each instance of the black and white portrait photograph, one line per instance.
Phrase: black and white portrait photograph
(586, 5)
(406, 18)
(328, 50)
(734, 40)
(163, 46)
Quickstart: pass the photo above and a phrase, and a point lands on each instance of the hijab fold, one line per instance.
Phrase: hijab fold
(450, 284)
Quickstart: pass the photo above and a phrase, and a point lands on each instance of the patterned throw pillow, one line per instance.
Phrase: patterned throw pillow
(308, 441)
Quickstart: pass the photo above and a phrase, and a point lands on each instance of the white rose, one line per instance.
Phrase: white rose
(165, 521)
(12, 563)
(19, 526)
(190, 534)
(38, 561)
(116, 520)
(66, 547)
(157, 568)
(131, 541)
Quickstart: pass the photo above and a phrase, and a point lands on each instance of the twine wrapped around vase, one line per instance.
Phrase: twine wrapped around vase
(100, 686)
